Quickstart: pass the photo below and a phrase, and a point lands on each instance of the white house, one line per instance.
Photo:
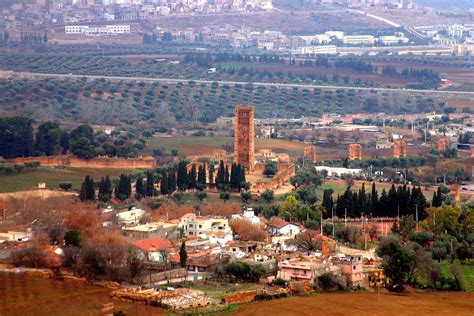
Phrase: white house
(155, 249)
(131, 217)
(278, 226)
(194, 226)
(248, 215)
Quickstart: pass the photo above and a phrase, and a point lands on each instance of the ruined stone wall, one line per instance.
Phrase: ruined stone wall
(281, 178)
(99, 162)
(260, 166)
(244, 134)
(399, 148)
(34, 194)
(354, 152)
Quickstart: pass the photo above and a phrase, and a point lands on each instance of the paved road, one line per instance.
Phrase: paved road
(7, 74)
(387, 21)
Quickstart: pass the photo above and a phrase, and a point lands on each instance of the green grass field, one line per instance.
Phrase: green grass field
(53, 176)
(467, 273)
(191, 145)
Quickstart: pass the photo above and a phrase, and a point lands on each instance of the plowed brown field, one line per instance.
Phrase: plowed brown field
(365, 304)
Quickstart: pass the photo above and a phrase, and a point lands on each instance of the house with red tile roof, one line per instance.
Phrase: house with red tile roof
(155, 249)
(278, 226)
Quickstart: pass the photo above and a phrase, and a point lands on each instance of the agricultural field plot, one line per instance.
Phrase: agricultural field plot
(461, 76)
(164, 105)
(322, 73)
(436, 303)
(467, 273)
(28, 295)
(53, 176)
(192, 145)
(422, 16)
(288, 22)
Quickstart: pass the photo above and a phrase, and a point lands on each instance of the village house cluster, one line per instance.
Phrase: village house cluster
(43, 12)
(210, 243)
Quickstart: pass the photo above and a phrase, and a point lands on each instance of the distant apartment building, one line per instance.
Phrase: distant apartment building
(199, 225)
(97, 30)
(316, 50)
(393, 40)
(165, 230)
(358, 40)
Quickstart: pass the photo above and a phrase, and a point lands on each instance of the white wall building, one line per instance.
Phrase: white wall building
(334, 171)
(200, 225)
(317, 50)
(97, 30)
(131, 217)
(248, 215)
(358, 40)
(393, 40)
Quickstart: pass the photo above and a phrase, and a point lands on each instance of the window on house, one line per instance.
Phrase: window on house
(200, 226)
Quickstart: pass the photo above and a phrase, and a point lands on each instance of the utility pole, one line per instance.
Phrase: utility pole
(416, 208)
(398, 214)
(321, 223)
(332, 219)
(345, 217)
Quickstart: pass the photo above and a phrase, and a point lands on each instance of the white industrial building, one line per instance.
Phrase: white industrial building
(316, 50)
(358, 40)
(97, 30)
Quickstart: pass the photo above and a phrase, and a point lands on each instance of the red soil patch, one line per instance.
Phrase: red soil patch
(438, 303)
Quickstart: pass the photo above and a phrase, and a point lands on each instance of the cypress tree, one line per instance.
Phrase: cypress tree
(128, 185)
(340, 206)
(437, 198)
(171, 181)
(374, 201)
(139, 191)
(211, 173)
(150, 184)
(226, 176)
(182, 178)
(164, 183)
(242, 179)
(183, 255)
(328, 202)
(199, 175)
(220, 178)
(232, 176)
(83, 193)
(383, 203)
(362, 202)
(355, 207)
(434, 200)
(192, 178)
(203, 176)
(90, 189)
(392, 202)
(124, 187)
(104, 189)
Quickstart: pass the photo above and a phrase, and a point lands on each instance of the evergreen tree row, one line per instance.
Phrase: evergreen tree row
(399, 201)
(177, 178)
